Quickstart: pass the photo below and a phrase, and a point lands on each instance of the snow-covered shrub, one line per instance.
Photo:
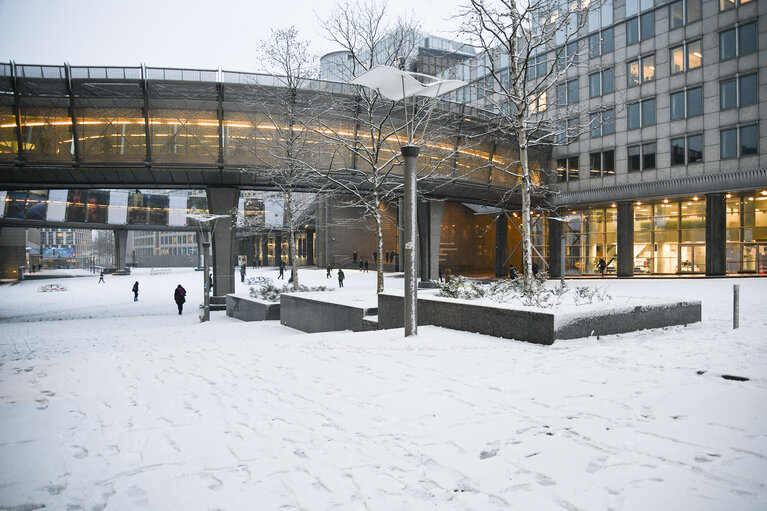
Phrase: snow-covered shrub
(50, 288)
(583, 294)
(461, 287)
(264, 289)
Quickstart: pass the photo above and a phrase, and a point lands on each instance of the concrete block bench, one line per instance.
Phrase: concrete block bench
(322, 312)
(533, 325)
(246, 308)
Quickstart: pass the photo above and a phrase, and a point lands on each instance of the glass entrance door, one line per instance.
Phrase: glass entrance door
(762, 262)
(692, 259)
(749, 261)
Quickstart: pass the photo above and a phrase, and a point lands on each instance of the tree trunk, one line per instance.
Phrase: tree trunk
(379, 251)
(527, 251)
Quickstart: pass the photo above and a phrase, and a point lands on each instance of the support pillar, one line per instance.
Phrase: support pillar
(223, 201)
(310, 247)
(501, 244)
(121, 249)
(555, 248)
(716, 234)
(625, 233)
(200, 251)
(429, 231)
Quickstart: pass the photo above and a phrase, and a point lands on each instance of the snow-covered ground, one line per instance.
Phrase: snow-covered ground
(106, 403)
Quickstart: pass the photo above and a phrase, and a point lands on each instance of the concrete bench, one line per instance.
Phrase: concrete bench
(246, 308)
(316, 312)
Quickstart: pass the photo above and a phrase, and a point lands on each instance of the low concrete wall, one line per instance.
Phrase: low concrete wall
(310, 314)
(533, 326)
(246, 308)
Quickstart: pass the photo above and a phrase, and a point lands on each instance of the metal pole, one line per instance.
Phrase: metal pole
(410, 154)
(735, 306)
(206, 285)
(562, 259)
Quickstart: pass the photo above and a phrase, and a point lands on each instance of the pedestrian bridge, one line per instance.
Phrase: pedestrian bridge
(144, 127)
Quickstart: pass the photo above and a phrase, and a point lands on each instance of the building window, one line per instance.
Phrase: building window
(601, 83)
(568, 55)
(687, 103)
(567, 169)
(640, 28)
(641, 113)
(731, 147)
(536, 67)
(682, 12)
(725, 5)
(737, 41)
(687, 56)
(746, 93)
(602, 123)
(601, 43)
(567, 93)
(572, 130)
(687, 150)
(641, 157)
(641, 70)
(538, 103)
(602, 164)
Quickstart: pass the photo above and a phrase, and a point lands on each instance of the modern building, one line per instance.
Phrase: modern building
(66, 248)
(162, 249)
(666, 172)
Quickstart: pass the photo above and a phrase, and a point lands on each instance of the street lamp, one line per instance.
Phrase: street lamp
(205, 218)
(395, 85)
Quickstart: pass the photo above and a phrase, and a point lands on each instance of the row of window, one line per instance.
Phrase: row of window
(685, 150)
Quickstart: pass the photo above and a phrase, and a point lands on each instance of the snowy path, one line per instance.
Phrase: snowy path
(139, 408)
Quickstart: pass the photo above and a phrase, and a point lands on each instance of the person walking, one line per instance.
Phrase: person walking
(366, 265)
(101, 277)
(179, 295)
(602, 266)
(354, 256)
(210, 282)
(329, 275)
(135, 291)
(242, 273)
(341, 277)
(282, 270)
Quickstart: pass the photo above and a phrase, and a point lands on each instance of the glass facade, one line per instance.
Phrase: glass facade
(590, 235)
(747, 232)
(670, 236)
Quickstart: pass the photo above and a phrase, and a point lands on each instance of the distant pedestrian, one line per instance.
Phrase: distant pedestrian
(210, 282)
(366, 265)
(242, 273)
(361, 265)
(512, 272)
(258, 262)
(354, 256)
(440, 273)
(135, 291)
(602, 266)
(329, 275)
(282, 270)
(101, 277)
(341, 277)
(179, 295)
(375, 257)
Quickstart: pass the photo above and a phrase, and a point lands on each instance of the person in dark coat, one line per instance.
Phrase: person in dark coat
(328, 274)
(135, 291)
(101, 277)
(602, 266)
(179, 295)
(512, 272)
(242, 273)
(341, 277)
(210, 282)
(282, 270)
(354, 256)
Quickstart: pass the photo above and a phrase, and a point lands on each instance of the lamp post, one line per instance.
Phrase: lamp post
(397, 85)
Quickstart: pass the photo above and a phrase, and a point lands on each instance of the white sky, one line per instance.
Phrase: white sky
(174, 33)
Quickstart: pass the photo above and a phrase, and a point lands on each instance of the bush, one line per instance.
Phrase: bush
(461, 287)
(264, 289)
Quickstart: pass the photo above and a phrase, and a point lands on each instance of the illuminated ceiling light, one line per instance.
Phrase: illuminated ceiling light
(665, 201)
(763, 192)
(689, 203)
(750, 198)
(697, 54)
(639, 203)
(613, 205)
(696, 198)
(729, 196)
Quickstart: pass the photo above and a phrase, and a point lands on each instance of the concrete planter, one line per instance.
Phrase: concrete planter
(246, 308)
(535, 326)
(316, 313)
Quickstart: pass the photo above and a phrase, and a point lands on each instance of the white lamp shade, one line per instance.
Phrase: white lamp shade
(396, 85)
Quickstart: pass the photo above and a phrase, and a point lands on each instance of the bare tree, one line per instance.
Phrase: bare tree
(526, 52)
(363, 31)
(290, 155)
(104, 246)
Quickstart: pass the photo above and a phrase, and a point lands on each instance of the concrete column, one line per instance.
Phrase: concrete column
(400, 230)
(121, 249)
(716, 234)
(625, 228)
(555, 248)
(223, 201)
(423, 268)
(278, 249)
(310, 247)
(200, 250)
(501, 245)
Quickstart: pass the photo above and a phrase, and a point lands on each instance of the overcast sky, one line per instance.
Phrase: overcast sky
(175, 33)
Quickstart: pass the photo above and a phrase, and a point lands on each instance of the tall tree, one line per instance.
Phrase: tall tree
(527, 49)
